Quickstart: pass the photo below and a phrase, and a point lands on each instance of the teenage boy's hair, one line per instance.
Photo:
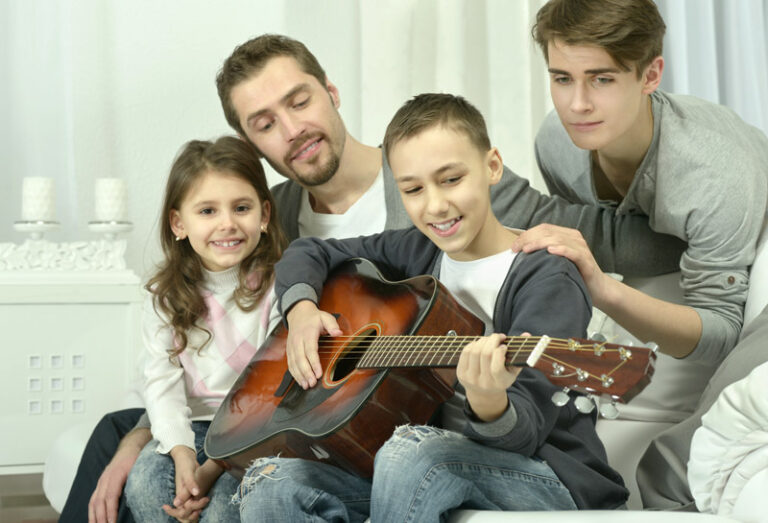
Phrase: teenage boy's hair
(429, 110)
(630, 31)
(249, 58)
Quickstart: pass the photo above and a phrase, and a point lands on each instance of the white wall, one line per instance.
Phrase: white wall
(108, 88)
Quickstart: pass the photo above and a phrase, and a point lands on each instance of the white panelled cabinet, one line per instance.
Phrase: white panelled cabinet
(69, 344)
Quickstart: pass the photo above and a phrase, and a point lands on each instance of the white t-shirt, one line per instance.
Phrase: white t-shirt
(366, 216)
(476, 283)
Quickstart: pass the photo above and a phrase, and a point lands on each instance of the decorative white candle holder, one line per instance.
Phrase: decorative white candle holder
(36, 229)
(111, 229)
(110, 202)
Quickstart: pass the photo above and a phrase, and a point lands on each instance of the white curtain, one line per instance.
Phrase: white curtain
(109, 88)
(718, 50)
(95, 88)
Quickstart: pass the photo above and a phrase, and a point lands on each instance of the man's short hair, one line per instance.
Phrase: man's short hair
(630, 31)
(429, 110)
(249, 58)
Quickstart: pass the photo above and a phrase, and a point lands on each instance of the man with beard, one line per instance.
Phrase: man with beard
(276, 95)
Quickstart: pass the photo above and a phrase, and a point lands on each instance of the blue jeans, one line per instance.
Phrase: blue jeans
(420, 474)
(152, 484)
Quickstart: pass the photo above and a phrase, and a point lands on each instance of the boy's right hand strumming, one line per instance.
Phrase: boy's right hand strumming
(306, 323)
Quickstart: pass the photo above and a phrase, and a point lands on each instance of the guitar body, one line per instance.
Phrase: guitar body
(351, 412)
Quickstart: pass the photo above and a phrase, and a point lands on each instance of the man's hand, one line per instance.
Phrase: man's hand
(483, 373)
(569, 243)
(306, 323)
(102, 508)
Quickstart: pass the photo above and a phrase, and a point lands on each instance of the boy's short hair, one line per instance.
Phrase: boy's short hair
(630, 31)
(429, 110)
(250, 57)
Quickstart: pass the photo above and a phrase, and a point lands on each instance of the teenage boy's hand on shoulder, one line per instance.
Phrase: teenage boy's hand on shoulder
(482, 372)
(569, 243)
(306, 323)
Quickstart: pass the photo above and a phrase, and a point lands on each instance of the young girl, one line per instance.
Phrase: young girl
(208, 309)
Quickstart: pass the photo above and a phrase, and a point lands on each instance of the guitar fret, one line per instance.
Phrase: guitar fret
(413, 351)
(431, 362)
(375, 351)
(386, 357)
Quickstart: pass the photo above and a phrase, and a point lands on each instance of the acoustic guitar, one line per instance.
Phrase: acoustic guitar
(394, 364)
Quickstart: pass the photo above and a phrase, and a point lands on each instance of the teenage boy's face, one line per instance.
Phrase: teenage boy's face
(599, 104)
(293, 121)
(444, 182)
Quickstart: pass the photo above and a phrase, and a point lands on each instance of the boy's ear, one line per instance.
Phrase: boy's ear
(495, 165)
(177, 226)
(652, 75)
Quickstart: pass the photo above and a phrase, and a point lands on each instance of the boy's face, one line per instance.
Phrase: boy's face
(600, 105)
(444, 182)
(293, 121)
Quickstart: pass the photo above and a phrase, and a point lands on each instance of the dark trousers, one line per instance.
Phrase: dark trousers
(100, 449)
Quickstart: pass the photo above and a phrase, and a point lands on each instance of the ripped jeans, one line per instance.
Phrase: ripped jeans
(420, 474)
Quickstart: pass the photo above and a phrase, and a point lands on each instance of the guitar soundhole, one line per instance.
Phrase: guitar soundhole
(347, 361)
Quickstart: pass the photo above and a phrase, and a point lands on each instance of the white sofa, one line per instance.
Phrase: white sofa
(625, 442)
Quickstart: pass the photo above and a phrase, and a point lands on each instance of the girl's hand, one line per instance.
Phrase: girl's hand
(306, 323)
(185, 462)
(482, 372)
(205, 476)
(570, 244)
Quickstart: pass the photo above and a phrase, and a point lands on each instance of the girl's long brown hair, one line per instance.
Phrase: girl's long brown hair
(175, 284)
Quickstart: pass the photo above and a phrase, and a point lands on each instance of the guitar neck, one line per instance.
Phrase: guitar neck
(384, 352)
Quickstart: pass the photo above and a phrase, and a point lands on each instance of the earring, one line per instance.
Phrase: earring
(178, 239)
(264, 229)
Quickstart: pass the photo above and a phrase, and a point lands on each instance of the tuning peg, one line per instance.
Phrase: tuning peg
(597, 336)
(561, 397)
(585, 404)
(653, 346)
(609, 410)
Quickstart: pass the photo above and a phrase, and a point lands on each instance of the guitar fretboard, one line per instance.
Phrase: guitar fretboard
(442, 351)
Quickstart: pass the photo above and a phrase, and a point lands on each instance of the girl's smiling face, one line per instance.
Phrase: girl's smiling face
(222, 217)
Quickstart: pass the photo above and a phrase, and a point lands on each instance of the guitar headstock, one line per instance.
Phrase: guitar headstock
(598, 368)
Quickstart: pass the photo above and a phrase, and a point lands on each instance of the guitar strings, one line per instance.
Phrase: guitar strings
(456, 345)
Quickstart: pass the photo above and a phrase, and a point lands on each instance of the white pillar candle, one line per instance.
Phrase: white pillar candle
(38, 199)
(110, 200)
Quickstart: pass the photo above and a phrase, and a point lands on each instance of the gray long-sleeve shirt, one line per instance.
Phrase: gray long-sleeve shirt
(702, 180)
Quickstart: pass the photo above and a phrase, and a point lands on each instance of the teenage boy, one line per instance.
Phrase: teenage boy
(276, 95)
(696, 169)
(500, 428)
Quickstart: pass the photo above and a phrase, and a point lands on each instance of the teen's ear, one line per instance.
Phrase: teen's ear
(177, 226)
(495, 166)
(652, 75)
(333, 91)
